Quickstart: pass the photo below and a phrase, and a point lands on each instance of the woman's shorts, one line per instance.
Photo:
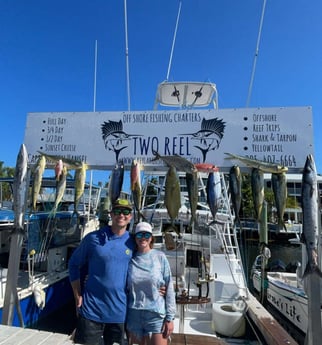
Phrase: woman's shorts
(143, 322)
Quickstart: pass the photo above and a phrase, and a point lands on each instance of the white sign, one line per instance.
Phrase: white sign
(277, 135)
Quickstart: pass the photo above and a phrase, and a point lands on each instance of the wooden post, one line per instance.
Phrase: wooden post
(263, 240)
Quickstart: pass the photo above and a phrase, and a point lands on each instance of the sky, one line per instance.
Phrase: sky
(47, 57)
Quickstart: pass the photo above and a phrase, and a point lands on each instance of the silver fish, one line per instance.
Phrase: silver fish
(20, 187)
(37, 179)
(310, 209)
(235, 188)
(180, 163)
(263, 166)
(214, 192)
(116, 182)
(192, 187)
(280, 195)
(172, 197)
(257, 186)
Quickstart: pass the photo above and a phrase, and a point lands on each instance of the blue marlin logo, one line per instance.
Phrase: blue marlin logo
(114, 137)
(209, 136)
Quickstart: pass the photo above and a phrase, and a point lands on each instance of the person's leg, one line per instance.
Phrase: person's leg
(134, 340)
(88, 332)
(114, 334)
(158, 339)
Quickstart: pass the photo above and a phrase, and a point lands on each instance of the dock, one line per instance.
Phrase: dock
(10, 335)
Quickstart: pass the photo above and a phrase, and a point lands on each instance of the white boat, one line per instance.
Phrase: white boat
(205, 261)
(43, 278)
(285, 291)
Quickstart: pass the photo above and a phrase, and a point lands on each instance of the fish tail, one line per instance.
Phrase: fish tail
(309, 269)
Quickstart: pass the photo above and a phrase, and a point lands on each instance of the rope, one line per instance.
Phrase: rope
(256, 55)
(174, 39)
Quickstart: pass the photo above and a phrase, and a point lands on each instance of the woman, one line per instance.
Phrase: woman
(150, 314)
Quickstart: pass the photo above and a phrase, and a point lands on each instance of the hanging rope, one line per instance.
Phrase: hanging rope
(173, 42)
(256, 55)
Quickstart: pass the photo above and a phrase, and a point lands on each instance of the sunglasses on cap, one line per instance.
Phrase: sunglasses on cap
(118, 211)
(145, 235)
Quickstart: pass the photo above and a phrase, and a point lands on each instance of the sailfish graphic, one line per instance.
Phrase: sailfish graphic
(114, 137)
(209, 136)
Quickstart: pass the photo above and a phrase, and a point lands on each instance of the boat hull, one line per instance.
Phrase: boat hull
(58, 295)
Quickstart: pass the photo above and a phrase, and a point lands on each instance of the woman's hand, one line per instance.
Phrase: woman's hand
(167, 329)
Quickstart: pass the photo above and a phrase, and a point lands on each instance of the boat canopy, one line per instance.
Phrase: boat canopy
(186, 94)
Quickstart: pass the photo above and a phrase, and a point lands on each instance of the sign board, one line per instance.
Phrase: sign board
(277, 135)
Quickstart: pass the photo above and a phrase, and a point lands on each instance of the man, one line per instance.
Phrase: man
(101, 301)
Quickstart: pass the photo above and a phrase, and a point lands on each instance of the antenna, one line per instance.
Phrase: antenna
(256, 55)
(174, 39)
(95, 72)
(127, 58)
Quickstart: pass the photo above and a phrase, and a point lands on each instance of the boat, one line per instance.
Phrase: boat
(43, 280)
(284, 291)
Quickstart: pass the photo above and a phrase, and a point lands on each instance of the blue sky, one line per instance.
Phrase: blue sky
(47, 51)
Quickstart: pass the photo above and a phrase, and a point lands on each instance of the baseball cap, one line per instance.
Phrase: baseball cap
(122, 203)
(143, 227)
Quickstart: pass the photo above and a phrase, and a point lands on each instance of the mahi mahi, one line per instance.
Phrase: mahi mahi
(310, 209)
(263, 166)
(37, 179)
(172, 197)
(80, 177)
(60, 189)
(280, 195)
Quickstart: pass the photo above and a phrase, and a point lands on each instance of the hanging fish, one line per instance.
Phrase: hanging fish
(37, 179)
(172, 197)
(192, 187)
(80, 177)
(20, 188)
(206, 167)
(257, 186)
(136, 189)
(116, 182)
(235, 184)
(60, 189)
(180, 163)
(214, 192)
(58, 169)
(280, 195)
(311, 214)
(70, 163)
(263, 166)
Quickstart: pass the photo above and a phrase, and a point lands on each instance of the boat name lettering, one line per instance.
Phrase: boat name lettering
(264, 117)
(53, 121)
(285, 307)
(69, 147)
(169, 146)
